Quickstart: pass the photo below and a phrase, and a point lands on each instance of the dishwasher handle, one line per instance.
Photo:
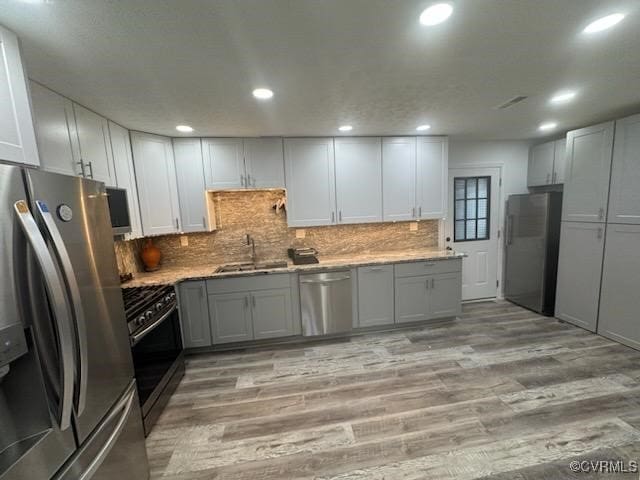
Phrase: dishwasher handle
(330, 280)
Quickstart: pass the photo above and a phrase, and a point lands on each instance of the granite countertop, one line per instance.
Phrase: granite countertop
(173, 275)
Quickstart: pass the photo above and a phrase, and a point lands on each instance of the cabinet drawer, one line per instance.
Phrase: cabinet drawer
(241, 284)
(414, 269)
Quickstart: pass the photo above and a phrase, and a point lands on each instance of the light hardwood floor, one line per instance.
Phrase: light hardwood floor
(499, 393)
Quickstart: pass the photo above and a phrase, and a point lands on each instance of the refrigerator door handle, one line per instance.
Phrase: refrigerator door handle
(76, 302)
(509, 229)
(61, 314)
(122, 408)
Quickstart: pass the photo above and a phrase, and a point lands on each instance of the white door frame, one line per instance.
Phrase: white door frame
(500, 211)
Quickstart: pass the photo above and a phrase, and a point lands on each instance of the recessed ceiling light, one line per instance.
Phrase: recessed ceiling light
(345, 128)
(562, 97)
(604, 23)
(436, 14)
(262, 93)
(547, 126)
(184, 128)
(422, 128)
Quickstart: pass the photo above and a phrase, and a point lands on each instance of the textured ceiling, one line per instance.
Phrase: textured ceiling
(151, 65)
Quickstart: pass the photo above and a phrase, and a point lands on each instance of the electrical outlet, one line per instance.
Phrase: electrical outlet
(184, 241)
(300, 233)
(413, 226)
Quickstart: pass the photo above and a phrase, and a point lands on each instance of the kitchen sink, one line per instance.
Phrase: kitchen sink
(247, 267)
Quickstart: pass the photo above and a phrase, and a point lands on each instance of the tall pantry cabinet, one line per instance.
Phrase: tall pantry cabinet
(598, 263)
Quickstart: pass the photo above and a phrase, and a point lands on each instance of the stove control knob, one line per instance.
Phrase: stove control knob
(173, 295)
(167, 298)
(140, 320)
(149, 314)
(159, 306)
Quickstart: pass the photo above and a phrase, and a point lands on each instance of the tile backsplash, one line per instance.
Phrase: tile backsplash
(241, 212)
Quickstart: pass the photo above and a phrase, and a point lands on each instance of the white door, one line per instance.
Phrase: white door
(358, 179)
(264, 162)
(17, 136)
(55, 126)
(472, 228)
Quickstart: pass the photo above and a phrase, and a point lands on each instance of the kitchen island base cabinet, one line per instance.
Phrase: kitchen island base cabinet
(579, 272)
(619, 303)
(375, 296)
(412, 299)
(230, 315)
(194, 314)
(446, 295)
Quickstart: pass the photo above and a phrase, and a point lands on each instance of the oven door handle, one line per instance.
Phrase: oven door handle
(135, 339)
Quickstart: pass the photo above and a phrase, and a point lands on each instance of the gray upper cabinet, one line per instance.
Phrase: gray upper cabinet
(540, 170)
(230, 315)
(156, 179)
(432, 176)
(56, 131)
(93, 137)
(586, 186)
(17, 135)
(190, 180)
(194, 314)
(358, 170)
(620, 302)
(559, 161)
(624, 199)
(579, 271)
(399, 178)
(271, 313)
(223, 163)
(125, 174)
(375, 295)
(547, 163)
(412, 299)
(310, 180)
(264, 162)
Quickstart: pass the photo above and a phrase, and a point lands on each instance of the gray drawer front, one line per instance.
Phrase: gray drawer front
(414, 269)
(241, 284)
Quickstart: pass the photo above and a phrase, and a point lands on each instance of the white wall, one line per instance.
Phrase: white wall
(513, 159)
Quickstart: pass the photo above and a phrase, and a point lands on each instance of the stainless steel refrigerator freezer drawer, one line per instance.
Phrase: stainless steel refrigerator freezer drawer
(326, 303)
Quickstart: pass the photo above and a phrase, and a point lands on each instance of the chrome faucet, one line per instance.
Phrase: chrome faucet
(251, 242)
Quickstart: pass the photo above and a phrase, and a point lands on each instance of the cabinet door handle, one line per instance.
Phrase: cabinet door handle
(600, 233)
(246, 301)
(375, 269)
(601, 214)
(177, 224)
(242, 180)
(81, 163)
(548, 178)
(204, 222)
(90, 165)
(420, 212)
(553, 177)
(333, 217)
(427, 284)
(413, 212)
(433, 283)
(253, 301)
(340, 215)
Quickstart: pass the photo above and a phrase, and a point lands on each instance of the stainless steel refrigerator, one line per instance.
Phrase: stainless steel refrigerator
(68, 402)
(532, 239)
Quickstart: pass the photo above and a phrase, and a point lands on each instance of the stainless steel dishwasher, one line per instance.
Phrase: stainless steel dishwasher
(326, 304)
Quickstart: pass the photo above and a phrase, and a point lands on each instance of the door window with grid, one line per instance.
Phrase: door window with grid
(472, 210)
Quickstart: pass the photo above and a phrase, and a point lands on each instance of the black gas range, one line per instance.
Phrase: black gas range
(156, 343)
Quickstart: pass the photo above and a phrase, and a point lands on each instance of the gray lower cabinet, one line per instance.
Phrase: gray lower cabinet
(375, 295)
(271, 313)
(412, 299)
(579, 272)
(230, 316)
(619, 301)
(446, 295)
(194, 314)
